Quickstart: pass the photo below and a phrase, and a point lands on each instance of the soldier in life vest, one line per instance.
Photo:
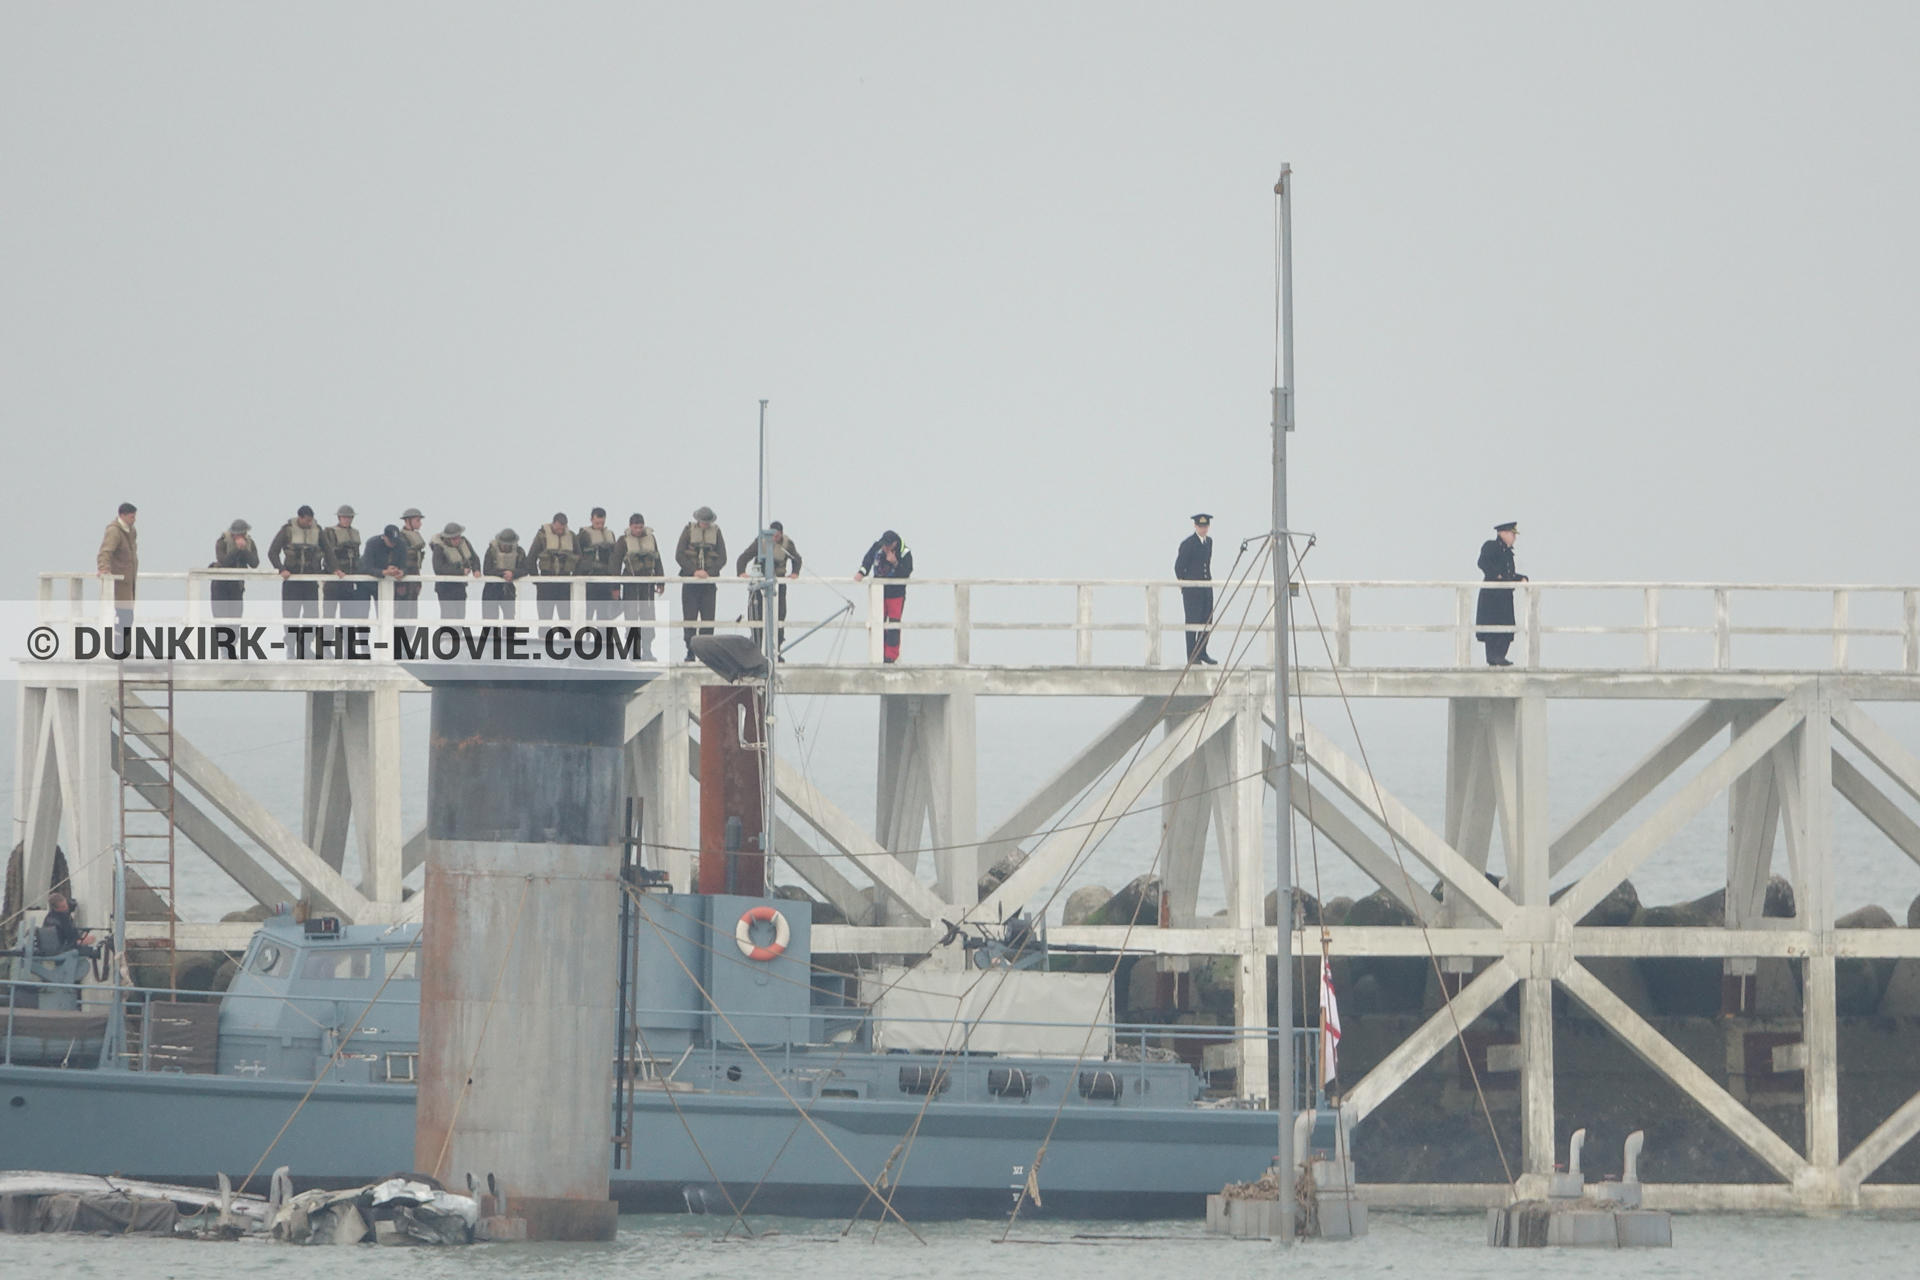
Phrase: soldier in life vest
(702, 554)
(596, 561)
(637, 555)
(786, 564)
(506, 561)
(120, 556)
(554, 553)
(296, 550)
(453, 557)
(232, 550)
(889, 558)
(406, 595)
(340, 553)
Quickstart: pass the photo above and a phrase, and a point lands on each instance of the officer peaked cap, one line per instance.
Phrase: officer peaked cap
(1511, 526)
(1203, 516)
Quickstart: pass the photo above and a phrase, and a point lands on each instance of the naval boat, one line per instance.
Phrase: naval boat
(748, 1077)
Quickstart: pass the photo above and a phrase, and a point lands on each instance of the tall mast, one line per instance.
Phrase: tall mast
(769, 646)
(1282, 731)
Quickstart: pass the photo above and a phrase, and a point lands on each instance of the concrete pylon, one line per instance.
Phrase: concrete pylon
(519, 937)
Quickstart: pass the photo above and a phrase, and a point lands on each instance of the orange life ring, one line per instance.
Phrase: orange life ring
(743, 933)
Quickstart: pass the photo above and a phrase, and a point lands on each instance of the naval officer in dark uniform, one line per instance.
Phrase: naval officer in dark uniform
(1496, 607)
(1195, 564)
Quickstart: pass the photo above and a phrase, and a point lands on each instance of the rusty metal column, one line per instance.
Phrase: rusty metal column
(731, 731)
(519, 933)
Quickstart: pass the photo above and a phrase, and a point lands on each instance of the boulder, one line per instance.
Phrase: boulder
(1860, 985)
(1083, 902)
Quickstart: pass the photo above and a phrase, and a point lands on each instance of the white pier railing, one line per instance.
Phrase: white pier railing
(1365, 624)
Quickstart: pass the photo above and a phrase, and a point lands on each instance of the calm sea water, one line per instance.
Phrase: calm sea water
(689, 1249)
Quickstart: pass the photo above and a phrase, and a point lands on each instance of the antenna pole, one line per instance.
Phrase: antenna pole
(769, 588)
(1282, 730)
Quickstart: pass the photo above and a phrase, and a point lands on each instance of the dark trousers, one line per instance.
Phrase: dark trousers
(600, 600)
(300, 599)
(453, 598)
(553, 598)
(345, 599)
(696, 603)
(1199, 605)
(1497, 646)
(406, 599)
(229, 598)
(892, 607)
(496, 600)
(753, 613)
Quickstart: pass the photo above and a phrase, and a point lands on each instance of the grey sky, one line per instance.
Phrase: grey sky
(1643, 277)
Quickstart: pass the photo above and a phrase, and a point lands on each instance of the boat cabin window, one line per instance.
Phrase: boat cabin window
(337, 964)
(272, 960)
(404, 965)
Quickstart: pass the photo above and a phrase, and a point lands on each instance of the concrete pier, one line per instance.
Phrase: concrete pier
(520, 937)
(1803, 1085)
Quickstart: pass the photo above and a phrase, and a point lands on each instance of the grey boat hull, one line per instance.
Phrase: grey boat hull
(704, 1152)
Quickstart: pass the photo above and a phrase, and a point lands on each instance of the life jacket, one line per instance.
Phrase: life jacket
(596, 550)
(705, 546)
(559, 553)
(302, 552)
(225, 550)
(505, 557)
(456, 552)
(342, 546)
(639, 557)
(415, 544)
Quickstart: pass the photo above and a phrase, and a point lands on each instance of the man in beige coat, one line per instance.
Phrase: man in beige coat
(120, 556)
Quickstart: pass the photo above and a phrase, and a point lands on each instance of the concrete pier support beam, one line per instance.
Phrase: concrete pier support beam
(926, 790)
(517, 1002)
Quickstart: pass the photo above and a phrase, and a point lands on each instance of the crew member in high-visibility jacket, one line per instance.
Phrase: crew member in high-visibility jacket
(702, 555)
(889, 558)
(296, 550)
(553, 553)
(233, 549)
(786, 564)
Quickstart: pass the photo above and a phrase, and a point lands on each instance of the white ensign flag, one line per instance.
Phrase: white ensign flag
(1329, 1024)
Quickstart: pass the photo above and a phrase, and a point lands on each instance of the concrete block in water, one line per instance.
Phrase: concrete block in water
(1342, 1218)
(1644, 1229)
